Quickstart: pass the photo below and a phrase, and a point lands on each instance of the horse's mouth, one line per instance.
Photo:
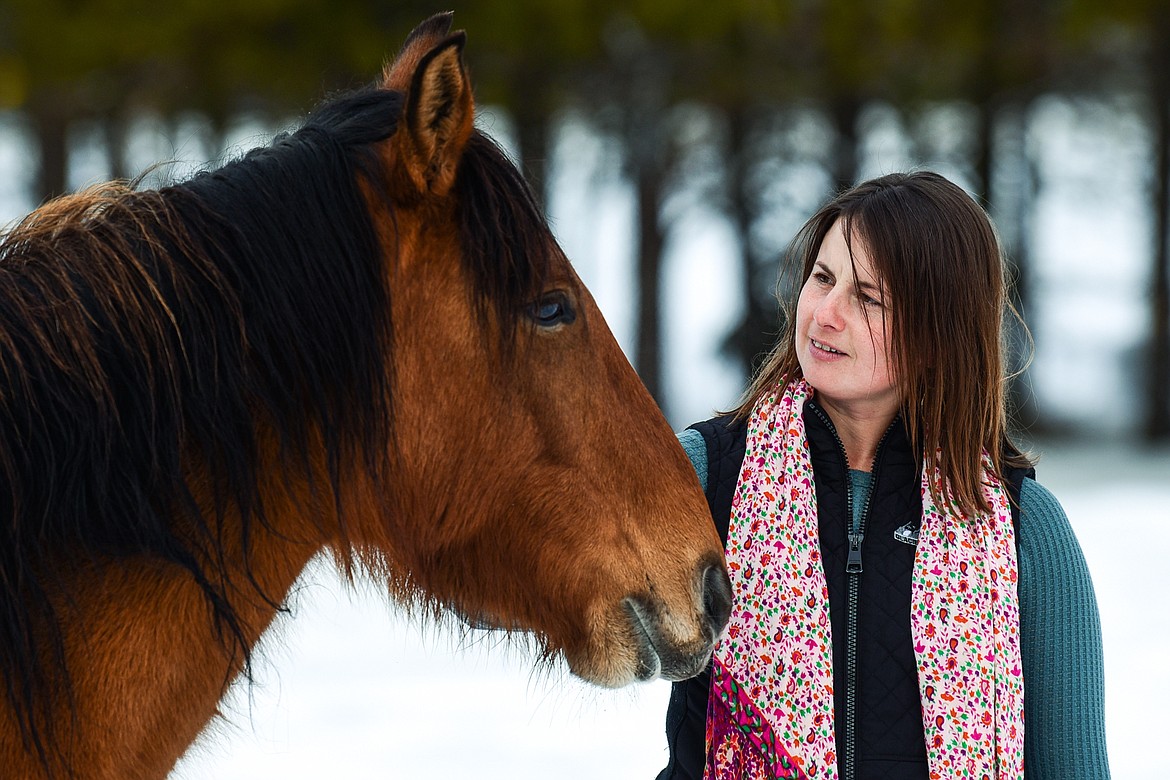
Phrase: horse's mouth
(647, 661)
(656, 657)
(660, 655)
(654, 640)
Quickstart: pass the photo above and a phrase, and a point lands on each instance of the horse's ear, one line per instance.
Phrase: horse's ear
(439, 110)
(399, 73)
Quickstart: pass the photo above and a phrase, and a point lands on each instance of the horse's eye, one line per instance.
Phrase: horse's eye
(551, 310)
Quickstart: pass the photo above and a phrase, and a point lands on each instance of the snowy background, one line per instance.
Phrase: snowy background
(348, 688)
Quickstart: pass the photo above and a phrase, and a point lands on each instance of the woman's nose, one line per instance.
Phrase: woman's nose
(828, 312)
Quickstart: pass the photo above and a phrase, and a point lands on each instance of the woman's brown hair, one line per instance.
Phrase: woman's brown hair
(938, 260)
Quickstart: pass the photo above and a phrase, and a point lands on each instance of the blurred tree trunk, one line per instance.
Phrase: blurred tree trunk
(51, 132)
(637, 88)
(114, 129)
(755, 334)
(650, 165)
(984, 141)
(534, 138)
(1157, 413)
(1012, 205)
(1012, 48)
(844, 112)
(649, 188)
(1001, 144)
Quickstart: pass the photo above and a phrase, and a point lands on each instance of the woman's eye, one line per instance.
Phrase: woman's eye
(822, 278)
(551, 310)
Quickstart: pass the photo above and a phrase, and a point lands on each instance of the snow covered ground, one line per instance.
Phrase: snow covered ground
(350, 690)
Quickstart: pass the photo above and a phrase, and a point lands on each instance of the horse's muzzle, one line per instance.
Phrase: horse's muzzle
(663, 647)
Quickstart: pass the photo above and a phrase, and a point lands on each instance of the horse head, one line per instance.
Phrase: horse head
(535, 484)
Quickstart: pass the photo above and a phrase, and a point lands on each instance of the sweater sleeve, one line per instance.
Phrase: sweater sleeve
(696, 449)
(1060, 644)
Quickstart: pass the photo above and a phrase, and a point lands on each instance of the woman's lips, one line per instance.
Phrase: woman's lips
(824, 349)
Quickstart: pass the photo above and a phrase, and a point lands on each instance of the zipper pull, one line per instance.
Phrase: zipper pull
(853, 565)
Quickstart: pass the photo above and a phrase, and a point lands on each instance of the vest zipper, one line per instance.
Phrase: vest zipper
(853, 568)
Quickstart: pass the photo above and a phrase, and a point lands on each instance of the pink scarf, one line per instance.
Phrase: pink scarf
(771, 707)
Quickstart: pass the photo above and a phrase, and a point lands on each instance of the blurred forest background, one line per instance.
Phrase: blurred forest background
(750, 112)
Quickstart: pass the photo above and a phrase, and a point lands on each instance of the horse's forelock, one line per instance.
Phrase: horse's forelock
(507, 247)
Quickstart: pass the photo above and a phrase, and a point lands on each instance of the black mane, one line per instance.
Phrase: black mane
(139, 328)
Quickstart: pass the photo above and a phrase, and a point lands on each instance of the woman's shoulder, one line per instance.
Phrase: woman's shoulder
(1048, 547)
(1044, 526)
(1039, 503)
(1042, 517)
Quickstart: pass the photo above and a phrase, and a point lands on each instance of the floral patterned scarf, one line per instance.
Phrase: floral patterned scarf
(771, 706)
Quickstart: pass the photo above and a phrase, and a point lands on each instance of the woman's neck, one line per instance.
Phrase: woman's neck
(859, 429)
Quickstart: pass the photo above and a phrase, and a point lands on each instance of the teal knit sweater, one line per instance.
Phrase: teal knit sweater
(1060, 635)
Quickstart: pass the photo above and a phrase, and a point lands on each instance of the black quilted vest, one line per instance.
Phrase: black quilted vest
(887, 734)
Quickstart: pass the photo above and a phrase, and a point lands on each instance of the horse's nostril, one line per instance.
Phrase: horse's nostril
(716, 598)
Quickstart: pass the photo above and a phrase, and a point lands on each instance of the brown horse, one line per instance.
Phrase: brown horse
(361, 338)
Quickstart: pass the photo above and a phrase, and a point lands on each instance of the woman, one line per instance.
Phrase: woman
(908, 601)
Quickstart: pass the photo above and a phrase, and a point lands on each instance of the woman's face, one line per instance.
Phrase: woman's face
(842, 351)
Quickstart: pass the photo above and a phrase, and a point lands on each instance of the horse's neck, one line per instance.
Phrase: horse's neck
(147, 662)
